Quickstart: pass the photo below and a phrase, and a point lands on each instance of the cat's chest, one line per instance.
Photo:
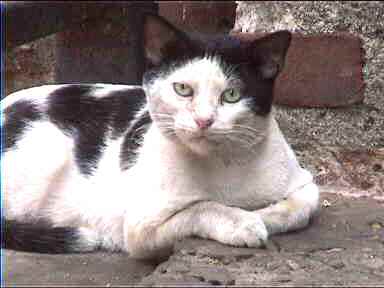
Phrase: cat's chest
(250, 180)
(251, 186)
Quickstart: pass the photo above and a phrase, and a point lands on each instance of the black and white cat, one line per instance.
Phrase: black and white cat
(195, 152)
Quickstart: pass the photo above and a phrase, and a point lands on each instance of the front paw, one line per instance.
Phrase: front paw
(248, 230)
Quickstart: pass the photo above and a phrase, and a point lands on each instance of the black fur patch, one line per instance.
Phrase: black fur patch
(257, 62)
(125, 105)
(18, 117)
(38, 237)
(88, 119)
(133, 138)
(257, 90)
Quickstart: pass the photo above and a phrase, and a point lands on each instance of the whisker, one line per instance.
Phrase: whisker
(250, 137)
(240, 140)
(246, 127)
(169, 132)
(187, 129)
(162, 115)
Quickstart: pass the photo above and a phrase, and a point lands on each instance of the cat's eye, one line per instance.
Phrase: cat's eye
(231, 95)
(182, 89)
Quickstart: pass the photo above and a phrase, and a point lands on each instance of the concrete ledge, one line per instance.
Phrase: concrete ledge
(94, 269)
(344, 246)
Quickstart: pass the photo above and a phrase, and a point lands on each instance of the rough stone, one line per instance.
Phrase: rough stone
(327, 253)
(347, 172)
(25, 269)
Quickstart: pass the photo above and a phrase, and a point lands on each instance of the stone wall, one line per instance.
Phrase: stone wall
(355, 127)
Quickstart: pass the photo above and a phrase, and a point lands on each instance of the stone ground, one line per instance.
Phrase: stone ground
(343, 246)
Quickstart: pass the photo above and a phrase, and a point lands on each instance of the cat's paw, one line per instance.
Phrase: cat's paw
(247, 231)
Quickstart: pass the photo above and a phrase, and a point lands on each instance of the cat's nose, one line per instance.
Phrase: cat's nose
(203, 123)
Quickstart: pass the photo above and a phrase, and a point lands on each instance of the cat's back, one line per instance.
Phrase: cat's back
(53, 132)
(53, 99)
(78, 110)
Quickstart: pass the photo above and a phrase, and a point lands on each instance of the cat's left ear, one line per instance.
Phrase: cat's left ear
(268, 53)
(162, 40)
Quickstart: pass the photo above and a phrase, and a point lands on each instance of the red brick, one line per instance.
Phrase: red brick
(322, 70)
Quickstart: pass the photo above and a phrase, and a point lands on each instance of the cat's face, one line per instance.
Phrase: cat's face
(212, 92)
(204, 105)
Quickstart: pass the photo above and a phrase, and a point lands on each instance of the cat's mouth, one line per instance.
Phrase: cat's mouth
(193, 134)
(200, 136)
(190, 133)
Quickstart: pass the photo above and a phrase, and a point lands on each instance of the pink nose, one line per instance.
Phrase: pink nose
(203, 123)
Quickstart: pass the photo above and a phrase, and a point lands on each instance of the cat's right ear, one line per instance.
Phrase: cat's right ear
(163, 41)
(269, 52)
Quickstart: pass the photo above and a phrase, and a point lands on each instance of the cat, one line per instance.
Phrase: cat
(193, 152)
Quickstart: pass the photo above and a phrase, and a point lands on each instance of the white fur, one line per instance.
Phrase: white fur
(34, 94)
(208, 81)
(41, 179)
(198, 175)
(31, 170)
(178, 187)
(108, 89)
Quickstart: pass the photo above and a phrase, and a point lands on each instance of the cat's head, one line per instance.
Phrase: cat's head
(206, 91)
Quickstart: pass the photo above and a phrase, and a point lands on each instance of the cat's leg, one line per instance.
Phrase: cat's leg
(206, 219)
(292, 213)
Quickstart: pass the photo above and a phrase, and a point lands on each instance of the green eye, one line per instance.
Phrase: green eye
(231, 96)
(182, 89)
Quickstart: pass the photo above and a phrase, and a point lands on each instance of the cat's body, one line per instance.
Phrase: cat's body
(86, 165)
